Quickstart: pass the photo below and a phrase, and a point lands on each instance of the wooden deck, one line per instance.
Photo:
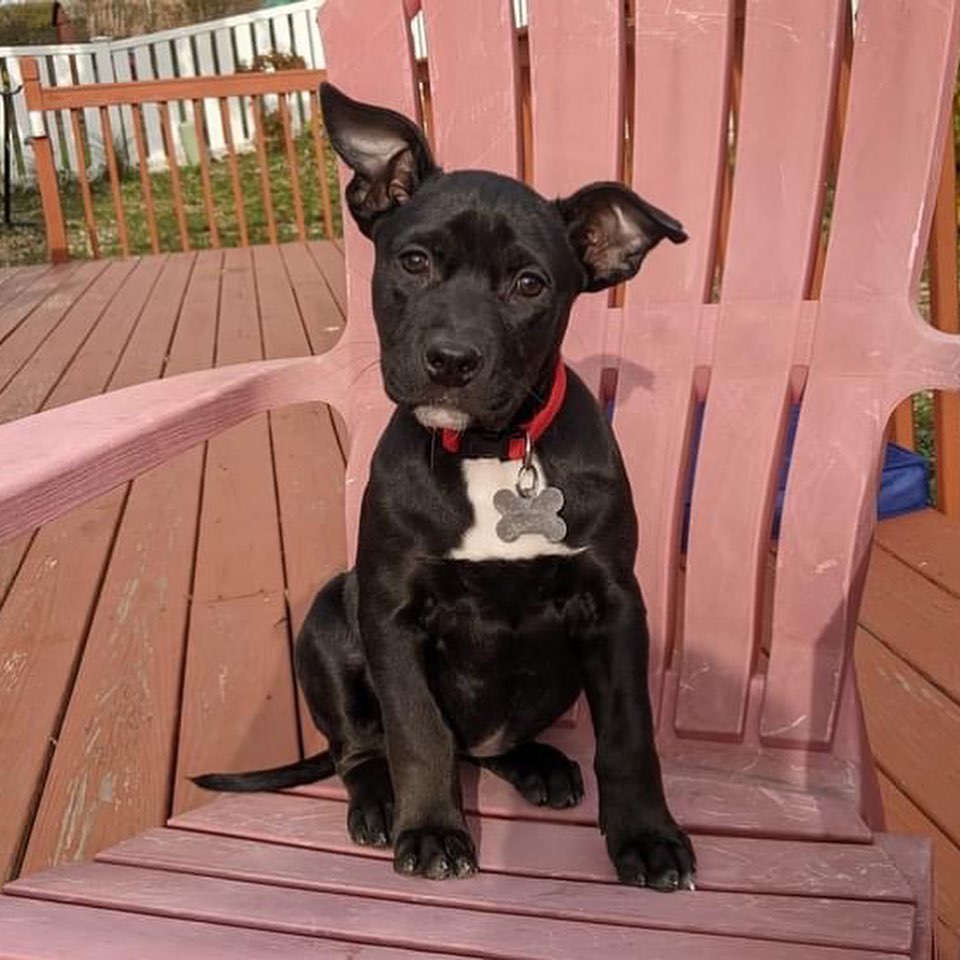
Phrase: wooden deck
(146, 636)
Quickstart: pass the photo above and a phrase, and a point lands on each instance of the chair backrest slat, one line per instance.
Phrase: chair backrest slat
(748, 356)
(378, 70)
(681, 92)
(903, 69)
(574, 104)
(771, 245)
(679, 137)
(474, 88)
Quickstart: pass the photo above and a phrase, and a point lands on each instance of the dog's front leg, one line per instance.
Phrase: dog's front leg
(430, 833)
(645, 844)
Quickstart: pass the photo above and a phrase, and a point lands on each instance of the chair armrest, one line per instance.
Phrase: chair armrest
(58, 459)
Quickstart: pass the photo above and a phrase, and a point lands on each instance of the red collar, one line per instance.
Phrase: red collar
(510, 446)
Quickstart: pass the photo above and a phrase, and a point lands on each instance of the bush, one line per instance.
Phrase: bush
(23, 23)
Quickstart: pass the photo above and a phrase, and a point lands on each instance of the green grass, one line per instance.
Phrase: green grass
(26, 243)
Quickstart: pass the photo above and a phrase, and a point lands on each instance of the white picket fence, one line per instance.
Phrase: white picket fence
(206, 49)
(212, 48)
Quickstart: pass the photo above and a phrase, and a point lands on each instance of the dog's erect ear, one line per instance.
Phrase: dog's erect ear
(387, 153)
(612, 230)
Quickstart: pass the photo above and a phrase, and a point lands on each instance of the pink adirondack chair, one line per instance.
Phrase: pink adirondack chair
(766, 760)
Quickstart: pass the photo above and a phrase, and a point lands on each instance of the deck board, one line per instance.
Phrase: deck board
(44, 620)
(242, 709)
(208, 564)
(110, 773)
(295, 304)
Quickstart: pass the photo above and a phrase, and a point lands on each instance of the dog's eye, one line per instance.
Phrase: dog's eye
(415, 261)
(529, 285)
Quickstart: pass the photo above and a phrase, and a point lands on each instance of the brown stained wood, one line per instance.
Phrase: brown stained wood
(264, 169)
(174, 169)
(11, 554)
(43, 620)
(25, 391)
(904, 816)
(204, 153)
(56, 931)
(238, 654)
(183, 88)
(293, 165)
(330, 260)
(16, 279)
(913, 728)
(46, 171)
(7, 274)
(146, 184)
(41, 635)
(88, 215)
(48, 186)
(927, 541)
(946, 316)
(20, 302)
(309, 487)
(918, 621)
(110, 774)
(32, 360)
(227, 122)
(321, 315)
(946, 435)
(91, 366)
(95, 364)
(946, 942)
(110, 149)
(320, 158)
(833, 922)
(901, 425)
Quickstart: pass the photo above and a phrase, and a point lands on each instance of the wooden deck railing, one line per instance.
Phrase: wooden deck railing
(252, 90)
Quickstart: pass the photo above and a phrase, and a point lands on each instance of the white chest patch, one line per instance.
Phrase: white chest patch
(483, 477)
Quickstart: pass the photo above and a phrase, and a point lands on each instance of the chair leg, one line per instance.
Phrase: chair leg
(914, 857)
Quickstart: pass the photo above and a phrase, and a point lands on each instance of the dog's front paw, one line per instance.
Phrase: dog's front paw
(659, 857)
(434, 852)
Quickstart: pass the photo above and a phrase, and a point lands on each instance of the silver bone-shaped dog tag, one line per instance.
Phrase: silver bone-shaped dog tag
(527, 509)
(536, 514)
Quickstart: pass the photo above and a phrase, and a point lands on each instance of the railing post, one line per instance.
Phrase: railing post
(944, 309)
(46, 168)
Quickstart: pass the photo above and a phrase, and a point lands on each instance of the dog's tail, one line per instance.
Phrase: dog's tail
(318, 767)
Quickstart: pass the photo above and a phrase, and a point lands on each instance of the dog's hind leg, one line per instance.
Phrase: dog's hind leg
(541, 773)
(333, 675)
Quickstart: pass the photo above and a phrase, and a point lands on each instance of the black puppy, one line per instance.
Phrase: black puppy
(494, 577)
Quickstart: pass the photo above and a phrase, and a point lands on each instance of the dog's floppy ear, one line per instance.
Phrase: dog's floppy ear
(612, 230)
(387, 153)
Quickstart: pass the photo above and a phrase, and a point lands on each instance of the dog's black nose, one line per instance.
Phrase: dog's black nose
(451, 364)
